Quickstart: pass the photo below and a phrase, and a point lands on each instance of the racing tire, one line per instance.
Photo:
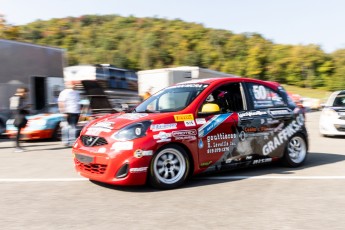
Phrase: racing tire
(57, 133)
(2, 127)
(296, 151)
(169, 168)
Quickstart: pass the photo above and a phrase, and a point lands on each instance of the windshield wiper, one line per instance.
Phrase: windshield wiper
(151, 111)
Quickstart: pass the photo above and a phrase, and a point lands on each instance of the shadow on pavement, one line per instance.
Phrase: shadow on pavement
(313, 160)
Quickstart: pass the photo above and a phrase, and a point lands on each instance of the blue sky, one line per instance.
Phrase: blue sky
(294, 22)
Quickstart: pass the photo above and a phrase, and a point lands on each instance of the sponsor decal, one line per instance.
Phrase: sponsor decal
(160, 127)
(250, 129)
(279, 112)
(228, 161)
(138, 170)
(141, 153)
(133, 116)
(191, 132)
(103, 125)
(162, 137)
(95, 131)
(283, 135)
(205, 164)
(212, 124)
(263, 103)
(102, 150)
(256, 129)
(221, 136)
(184, 117)
(261, 161)
(200, 121)
(122, 145)
(220, 147)
(185, 134)
(220, 142)
(271, 121)
(182, 85)
(252, 113)
(147, 153)
(189, 123)
(242, 136)
(200, 144)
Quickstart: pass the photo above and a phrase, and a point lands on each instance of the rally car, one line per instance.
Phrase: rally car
(48, 124)
(40, 126)
(191, 128)
(332, 118)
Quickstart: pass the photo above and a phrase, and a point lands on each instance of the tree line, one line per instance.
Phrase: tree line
(149, 43)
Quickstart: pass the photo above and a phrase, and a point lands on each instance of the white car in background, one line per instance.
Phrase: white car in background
(332, 119)
(311, 104)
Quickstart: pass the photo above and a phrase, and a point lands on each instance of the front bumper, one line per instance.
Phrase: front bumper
(332, 126)
(31, 134)
(107, 166)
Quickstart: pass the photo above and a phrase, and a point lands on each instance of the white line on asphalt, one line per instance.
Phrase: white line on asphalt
(203, 178)
(274, 177)
(41, 179)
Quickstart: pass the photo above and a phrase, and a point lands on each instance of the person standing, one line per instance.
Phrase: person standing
(19, 108)
(147, 93)
(68, 102)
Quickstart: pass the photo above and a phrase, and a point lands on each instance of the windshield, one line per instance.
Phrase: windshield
(339, 100)
(171, 99)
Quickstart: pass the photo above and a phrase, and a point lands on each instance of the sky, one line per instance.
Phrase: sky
(295, 22)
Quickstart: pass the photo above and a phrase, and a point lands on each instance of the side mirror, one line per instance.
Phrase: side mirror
(209, 108)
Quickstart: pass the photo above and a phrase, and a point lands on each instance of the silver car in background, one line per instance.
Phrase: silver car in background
(332, 119)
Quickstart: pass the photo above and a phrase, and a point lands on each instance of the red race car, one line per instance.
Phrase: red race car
(191, 128)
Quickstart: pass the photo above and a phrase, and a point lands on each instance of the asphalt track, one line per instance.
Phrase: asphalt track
(39, 189)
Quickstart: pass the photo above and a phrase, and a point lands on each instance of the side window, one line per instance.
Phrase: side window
(264, 97)
(227, 97)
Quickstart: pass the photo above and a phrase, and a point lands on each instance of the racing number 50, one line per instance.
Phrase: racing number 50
(259, 92)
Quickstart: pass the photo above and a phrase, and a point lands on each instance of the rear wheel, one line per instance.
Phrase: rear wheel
(169, 167)
(57, 133)
(296, 151)
(2, 128)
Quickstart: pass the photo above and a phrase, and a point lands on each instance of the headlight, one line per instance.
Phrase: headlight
(132, 131)
(330, 112)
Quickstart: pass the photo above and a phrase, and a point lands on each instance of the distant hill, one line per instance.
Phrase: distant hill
(148, 43)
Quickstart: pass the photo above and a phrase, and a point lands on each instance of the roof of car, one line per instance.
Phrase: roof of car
(271, 84)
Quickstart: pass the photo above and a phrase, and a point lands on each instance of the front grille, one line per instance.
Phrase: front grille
(92, 168)
(93, 141)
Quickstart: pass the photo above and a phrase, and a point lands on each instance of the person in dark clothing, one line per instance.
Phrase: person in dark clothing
(19, 107)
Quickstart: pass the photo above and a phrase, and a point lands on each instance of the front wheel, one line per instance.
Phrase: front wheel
(296, 151)
(169, 167)
(56, 136)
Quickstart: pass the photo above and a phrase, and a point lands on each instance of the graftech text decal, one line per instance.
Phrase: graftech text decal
(284, 135)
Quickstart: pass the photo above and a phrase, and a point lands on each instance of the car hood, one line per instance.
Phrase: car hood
(45, 116)
(119, 120)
